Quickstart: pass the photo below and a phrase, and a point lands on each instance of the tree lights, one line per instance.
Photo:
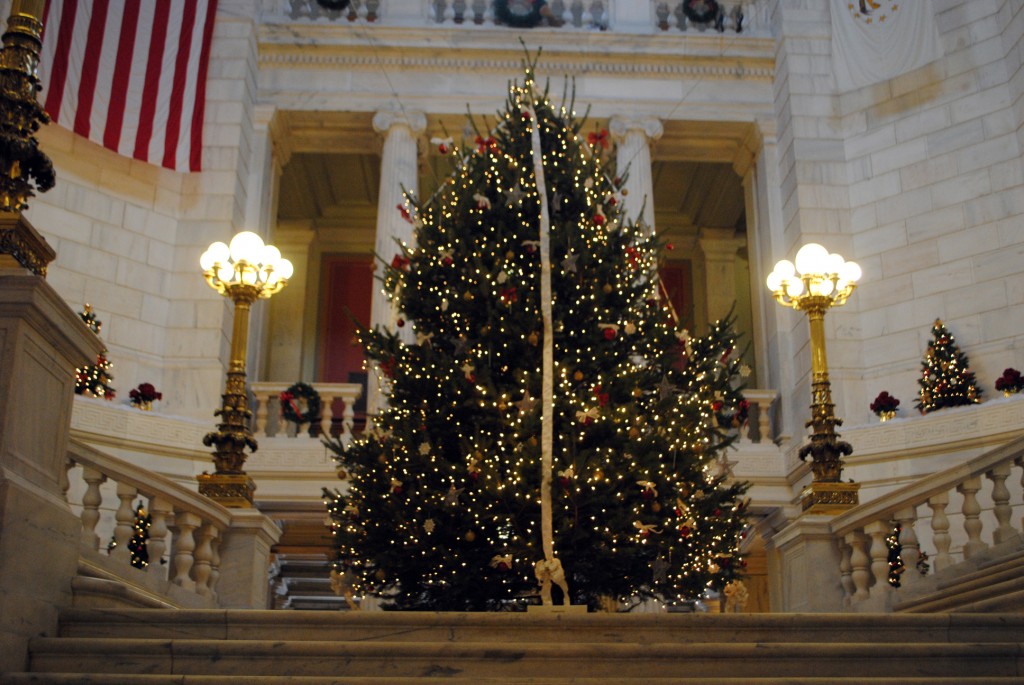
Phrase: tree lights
(824, 280)
(244, 271)
(444, 504)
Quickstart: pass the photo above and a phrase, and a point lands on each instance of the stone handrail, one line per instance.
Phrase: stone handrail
(268, 421)
(183, 522)
(861, 532)
(745, 18)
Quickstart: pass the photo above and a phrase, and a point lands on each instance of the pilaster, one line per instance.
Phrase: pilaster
(718, 247)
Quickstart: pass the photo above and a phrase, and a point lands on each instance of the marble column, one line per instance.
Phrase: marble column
(718, 247)
(633, 136)
(398, 170)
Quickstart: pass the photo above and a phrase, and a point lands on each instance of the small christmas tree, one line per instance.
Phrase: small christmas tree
(94, 379)
(946, 380)
(896, 566)
(137, 545)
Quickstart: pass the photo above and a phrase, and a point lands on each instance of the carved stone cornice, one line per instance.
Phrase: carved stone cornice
(308, 46)
(20, 242)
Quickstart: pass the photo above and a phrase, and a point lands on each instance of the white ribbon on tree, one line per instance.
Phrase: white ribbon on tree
(544, 567)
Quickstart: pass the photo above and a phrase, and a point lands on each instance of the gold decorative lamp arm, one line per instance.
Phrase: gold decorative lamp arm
(825, 280)
(245, 271)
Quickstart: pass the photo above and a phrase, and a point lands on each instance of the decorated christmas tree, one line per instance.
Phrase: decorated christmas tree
(137, 545)
(552, 421)
(946, 379)
(94, 379)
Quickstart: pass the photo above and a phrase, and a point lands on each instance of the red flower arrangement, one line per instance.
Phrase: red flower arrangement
(144, 394)
(1010, 382)
(885, 404)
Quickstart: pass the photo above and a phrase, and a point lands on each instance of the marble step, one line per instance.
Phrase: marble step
(1001, 584)
(539, 628)
(111, 679)
(505, 659)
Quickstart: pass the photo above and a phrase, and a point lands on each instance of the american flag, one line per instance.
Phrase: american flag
(130, 74)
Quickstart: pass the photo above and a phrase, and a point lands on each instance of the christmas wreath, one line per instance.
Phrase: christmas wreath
(522, 14)
(700, 11)
(297, 395)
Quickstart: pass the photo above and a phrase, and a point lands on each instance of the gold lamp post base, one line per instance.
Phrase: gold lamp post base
(232, 490)
(829, 498)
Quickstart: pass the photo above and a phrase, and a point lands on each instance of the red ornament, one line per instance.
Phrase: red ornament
(679, 512)
(400, 322)
(612, 201)
(400, 262)
(670, 247)
(564, 482)
(397, 489)
(610, 334)
(447, 261)
(684, 532)
(647, 493)
(601, 397)
(716, 513)
(405, 212)
(716, 405)
(634, 256)
(474, 476)
(388, 367)
(599, 219)
(598, 138)
(509, 295)
(526, 115)
(502, 566)
(485, 144)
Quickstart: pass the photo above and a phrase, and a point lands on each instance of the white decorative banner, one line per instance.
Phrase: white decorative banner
(873, 41)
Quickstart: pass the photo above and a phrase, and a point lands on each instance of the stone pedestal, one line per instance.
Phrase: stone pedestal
(244, 560)
(41, 343)
(804, 560)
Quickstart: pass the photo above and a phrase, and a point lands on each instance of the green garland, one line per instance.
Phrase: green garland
(290, 406)
(503, 15)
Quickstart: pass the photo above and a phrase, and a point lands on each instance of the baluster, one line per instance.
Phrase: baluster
(160, 512)
(203, 558)
(972, 521)
(91, 501)
(1004, 531)
(348, 415)
(764, 421)
(262, 405)
(587, 16)
(878, 531)
(845, 568)
(566, 12)
(214, 564)
(911, 552)
(1019, 461)
(328, 414)
(65, 482)
(459, 11)
(859, 565)
(940, 530)
(448, 15)
(184, 546)
(125, 518)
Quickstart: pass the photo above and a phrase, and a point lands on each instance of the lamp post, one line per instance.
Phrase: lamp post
(824, 280)
(245, 270)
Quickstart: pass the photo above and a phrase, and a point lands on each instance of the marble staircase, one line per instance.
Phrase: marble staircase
(186, 646)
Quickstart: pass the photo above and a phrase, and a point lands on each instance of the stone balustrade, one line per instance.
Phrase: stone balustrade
(594, 15)
(760, 424)
(186, 528)
(952, 506)
(268, 421)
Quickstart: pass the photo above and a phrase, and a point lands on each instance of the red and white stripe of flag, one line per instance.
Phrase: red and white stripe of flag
(130, 74)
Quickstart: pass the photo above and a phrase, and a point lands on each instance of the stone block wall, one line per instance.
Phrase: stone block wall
(128, 237)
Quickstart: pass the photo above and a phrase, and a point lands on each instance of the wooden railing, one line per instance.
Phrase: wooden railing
(269, 422)
(861, 532)
(185, 526)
